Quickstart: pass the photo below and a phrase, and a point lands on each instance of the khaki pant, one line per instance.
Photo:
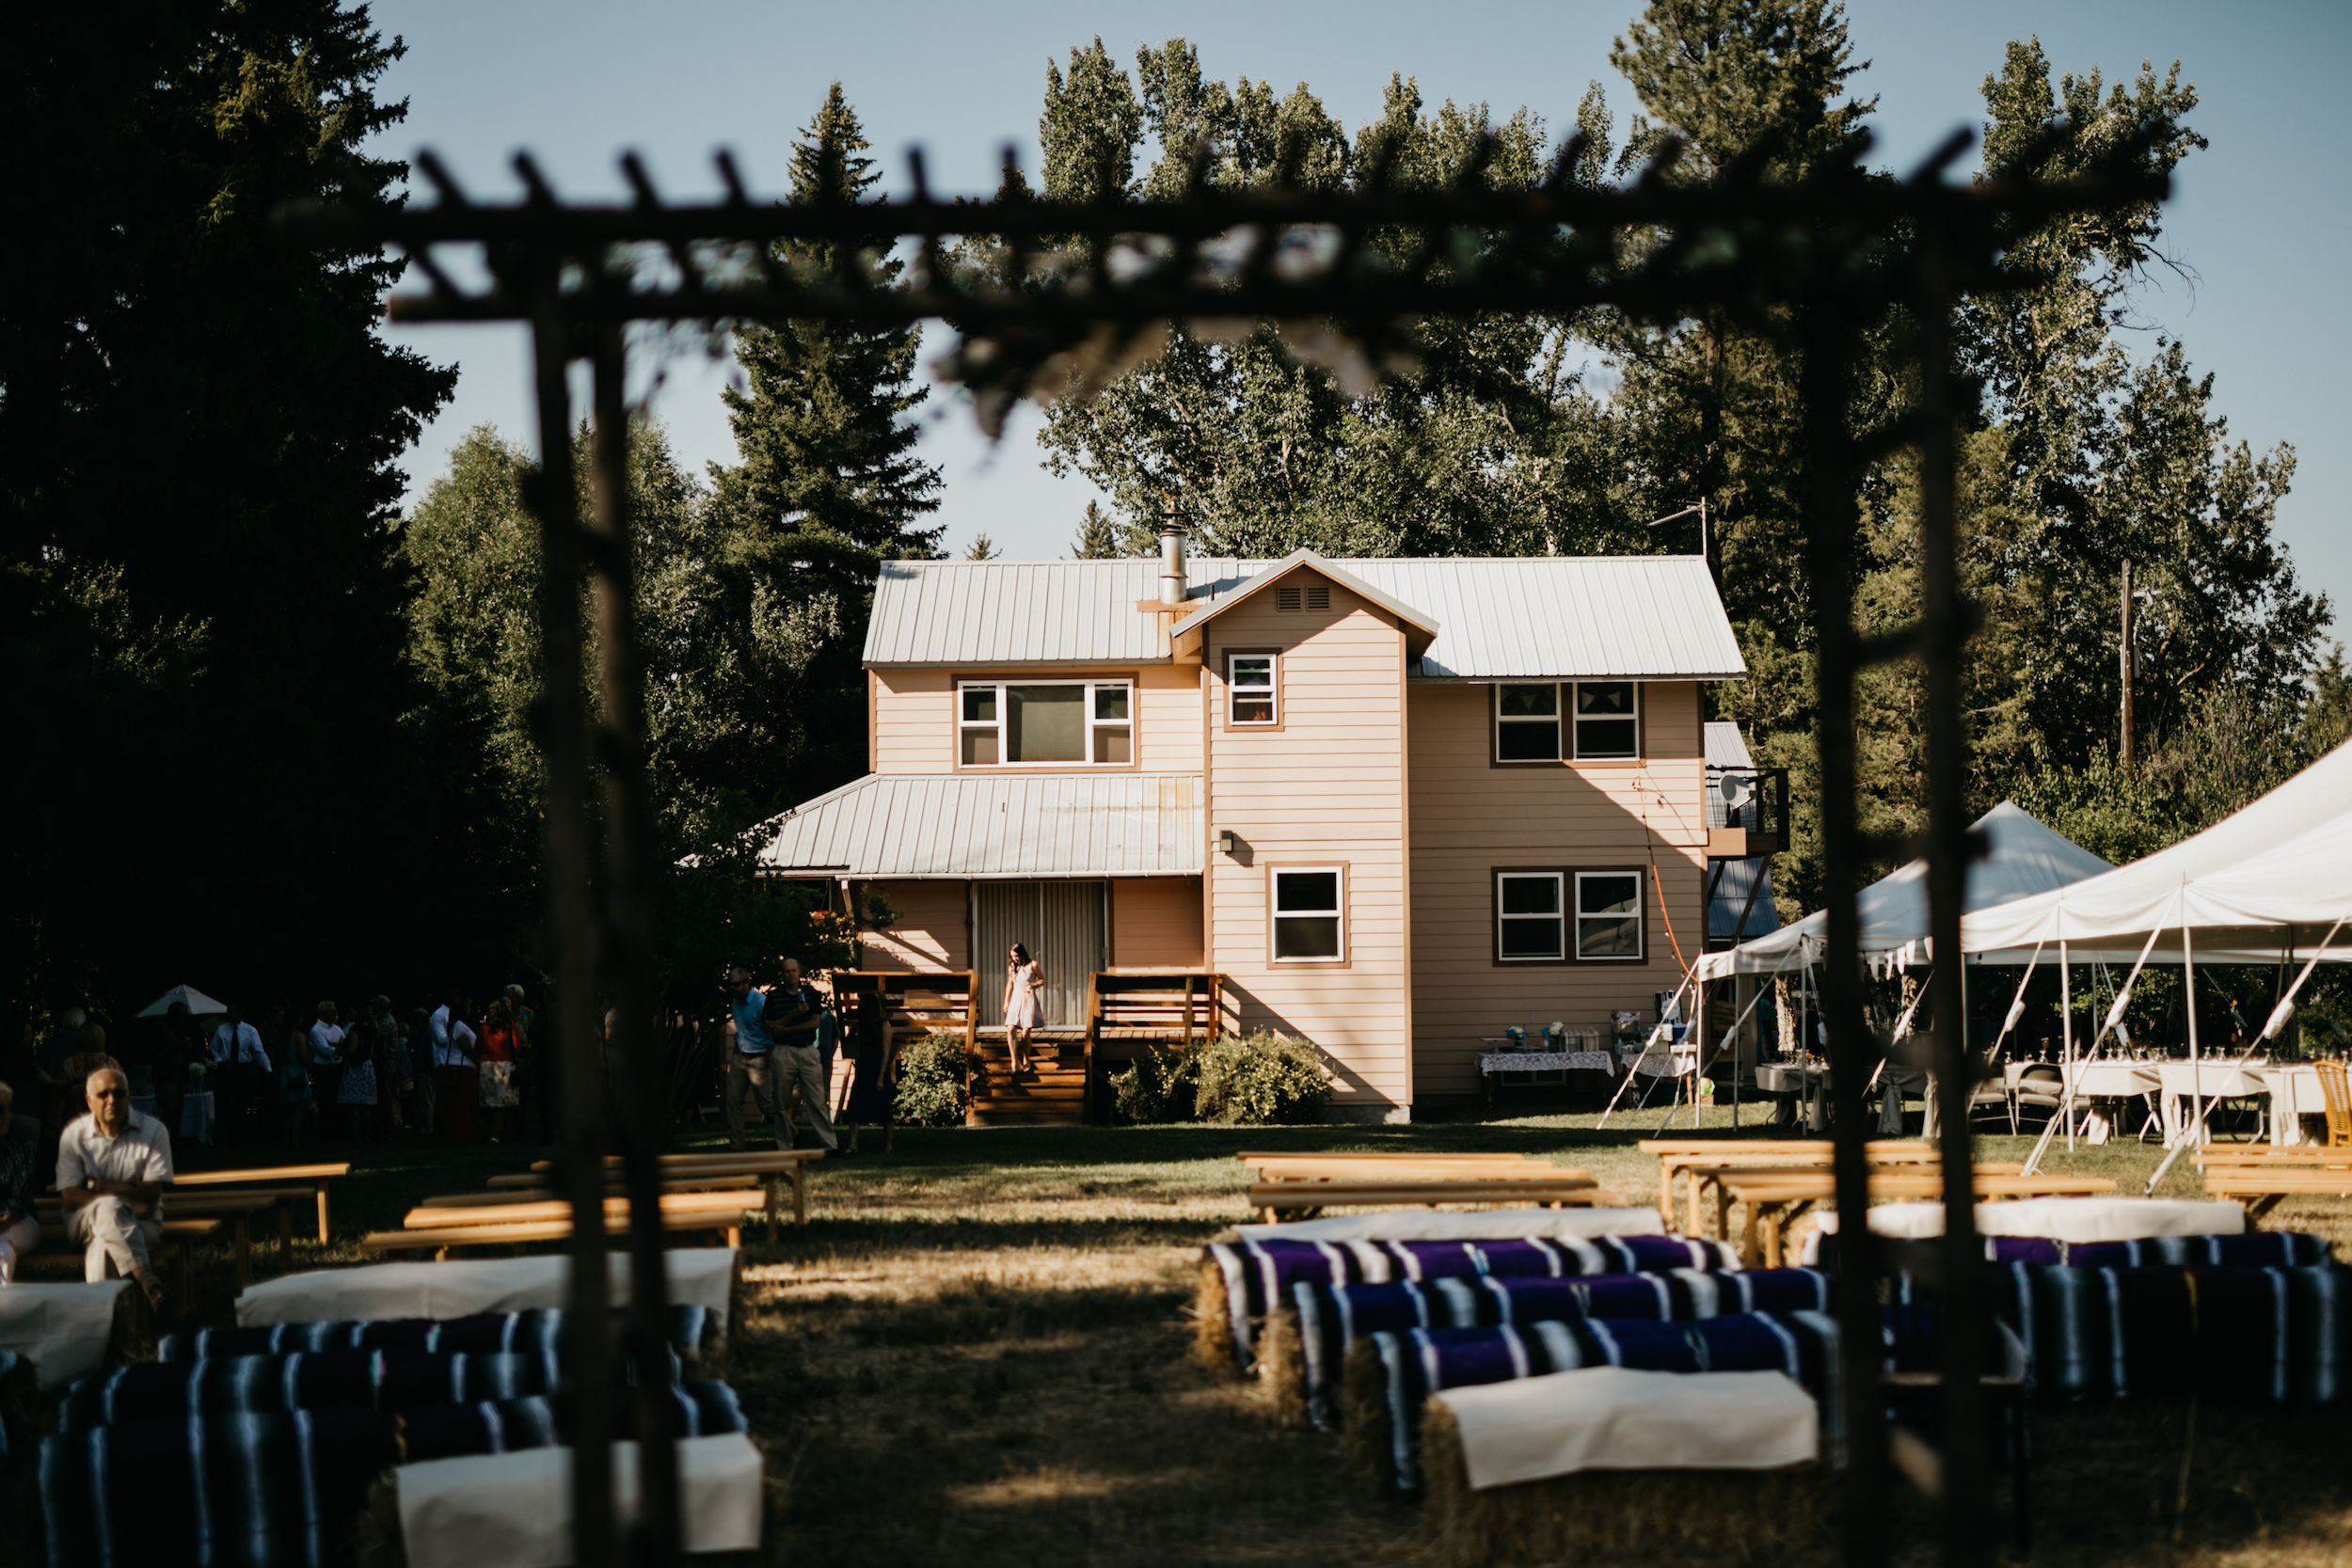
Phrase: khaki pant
(802, 1065)
(111, 1235)
(757, 1077)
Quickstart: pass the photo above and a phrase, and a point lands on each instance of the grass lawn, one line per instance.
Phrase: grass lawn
(976, 1354)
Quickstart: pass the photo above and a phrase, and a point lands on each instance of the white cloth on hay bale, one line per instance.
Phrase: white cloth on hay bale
(1616, 1418)
(1430, 1225)
(63, 1330)
(699, 1276)
(2056, 1219)
(514, 1509)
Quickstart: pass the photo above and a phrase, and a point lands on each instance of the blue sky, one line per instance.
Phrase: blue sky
(2261, 227)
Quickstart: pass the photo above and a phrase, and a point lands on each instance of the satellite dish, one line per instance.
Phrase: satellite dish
(1735, 789)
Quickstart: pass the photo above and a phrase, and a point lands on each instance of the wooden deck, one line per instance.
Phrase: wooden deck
(1128, 1011)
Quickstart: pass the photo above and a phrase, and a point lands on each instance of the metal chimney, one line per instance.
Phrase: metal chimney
(1171, 563)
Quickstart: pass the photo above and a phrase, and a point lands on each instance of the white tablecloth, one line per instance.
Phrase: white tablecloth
(2185, 1082)
(2295, 1093)
(61, 1329)
(2062, 1219)
(699, 1276)
(514, 1509)
(1546, 1061)
(1616, 1418)
(2112, 1080)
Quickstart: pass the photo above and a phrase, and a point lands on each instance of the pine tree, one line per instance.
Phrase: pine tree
(981, 548)
(1098, 536)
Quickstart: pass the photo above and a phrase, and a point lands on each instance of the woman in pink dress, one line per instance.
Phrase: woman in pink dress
(1022, 1010)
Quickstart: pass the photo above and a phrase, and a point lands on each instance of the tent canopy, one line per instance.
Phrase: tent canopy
(2277, 873)
(195, 1000)
(2025, 858)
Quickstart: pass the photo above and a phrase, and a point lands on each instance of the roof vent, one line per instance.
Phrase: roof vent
(1318, 595)
(1286, 600)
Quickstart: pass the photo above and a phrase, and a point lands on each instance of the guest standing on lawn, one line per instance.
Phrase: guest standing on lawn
(113, 1165)
(354, 1087)
(749, 1070)
(457, 1081)
(298, 1107)
(419, 1089)
(326, 1058)
(500, 1039)
(800, 1063)
(1023, 1009)
(20, 1156)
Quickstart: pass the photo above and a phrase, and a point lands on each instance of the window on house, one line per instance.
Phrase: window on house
(1608, 724)
(1551, 720)
(1074, 723)
(1609, 914)
(1530, 924)
(1527, 724)
(1309, 922)
(1250, 688)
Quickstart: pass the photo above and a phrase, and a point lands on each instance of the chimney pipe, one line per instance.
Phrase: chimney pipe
(1171, 563)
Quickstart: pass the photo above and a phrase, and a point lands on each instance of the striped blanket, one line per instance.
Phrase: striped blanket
(2248, 1249)
(513, 1333)
(1258, 1275)
(1334, 1316)
(2259, 1336)
(1415, 1363)
(377, 1380)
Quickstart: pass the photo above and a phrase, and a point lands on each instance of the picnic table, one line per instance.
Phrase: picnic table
(774, 1167)
(1277, 1198)
(175, 1251)
(311, 1178)
(2263, 1181)
(442, 1230)
(1394, 1167)
(1776, 1197)
(1678, 1155)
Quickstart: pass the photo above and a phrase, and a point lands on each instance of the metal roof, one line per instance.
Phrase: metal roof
(1645, 617)
(1724, 746)
(980, 826)
(1264, 572)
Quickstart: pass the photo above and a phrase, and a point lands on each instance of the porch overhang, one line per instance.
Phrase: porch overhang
(964, 826)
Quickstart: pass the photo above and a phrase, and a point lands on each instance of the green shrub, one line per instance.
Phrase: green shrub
(1157, 1086)
(1261, 1079)
(931, 1090)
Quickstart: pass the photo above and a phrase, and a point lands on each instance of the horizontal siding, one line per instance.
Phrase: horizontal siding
(1469, 818)
(931, 933)
(914, 719)
(1329, 785)
(1156, 923)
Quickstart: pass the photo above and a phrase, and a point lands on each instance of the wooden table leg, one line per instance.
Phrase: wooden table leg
(322, 1213)
(775, 1200)
(1665, 1190)
(244, 1249)
(800, 1192)
(1748, 1237)
(1693, 1229)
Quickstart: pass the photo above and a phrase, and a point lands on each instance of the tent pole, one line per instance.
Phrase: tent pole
(2066, 1031)
(2188, 1000)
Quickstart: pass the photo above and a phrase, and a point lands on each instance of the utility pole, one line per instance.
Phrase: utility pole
(2131, 754)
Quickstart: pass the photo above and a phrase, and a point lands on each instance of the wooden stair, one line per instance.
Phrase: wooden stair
(1053, 1094)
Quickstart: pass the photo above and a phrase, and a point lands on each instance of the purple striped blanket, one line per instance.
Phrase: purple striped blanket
(1258, 1275)
(1334, 1316)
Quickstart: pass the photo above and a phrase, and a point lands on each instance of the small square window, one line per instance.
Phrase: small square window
(1309, 924)
(1529, 924)
(1609, 915)
(1527, 722)
(1250, 688)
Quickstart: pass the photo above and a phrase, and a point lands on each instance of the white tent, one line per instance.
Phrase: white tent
(2283, 861)
(197, 1003)
(2026, 859)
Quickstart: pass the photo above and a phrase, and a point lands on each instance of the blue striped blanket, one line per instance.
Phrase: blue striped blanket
(1417, 1362)
(359, 1380)
(1258, 1275)
(513, 1333)
(2260, 1336)
(1334, 1316)
(2248, 1249)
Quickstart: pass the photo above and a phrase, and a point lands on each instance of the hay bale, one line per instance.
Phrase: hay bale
(1212, 1331)
(1720, 1515)
(1364, 1425)
(132, 1336)
(377, 1542)
(1282, 1368)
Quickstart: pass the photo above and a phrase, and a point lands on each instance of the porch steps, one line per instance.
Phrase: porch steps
(1050, 1095)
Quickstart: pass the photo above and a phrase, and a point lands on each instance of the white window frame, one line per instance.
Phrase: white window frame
(1558, 919)
(1570, 690)
(1235, 691)
(1276, 914)
(1558, 720)
(1641, 921)
(1004, 712)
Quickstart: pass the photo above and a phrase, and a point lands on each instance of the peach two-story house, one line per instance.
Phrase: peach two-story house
(1399, 805)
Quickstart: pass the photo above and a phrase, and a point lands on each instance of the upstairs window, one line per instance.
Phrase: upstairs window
(1045, 724)
(1250, 690)
(1567, 720)
(1309, 913)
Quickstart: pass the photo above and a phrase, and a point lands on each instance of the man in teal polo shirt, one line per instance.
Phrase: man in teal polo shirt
(751, 1068)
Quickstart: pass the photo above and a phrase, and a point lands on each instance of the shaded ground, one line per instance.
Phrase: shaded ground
(977, 1353)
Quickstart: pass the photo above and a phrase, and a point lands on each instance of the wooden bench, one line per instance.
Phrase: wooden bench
(313, 1179)
(1276, 1198)
(1703, 1178)
(2271, 1157)
(1776, 1197)
(1678, 1155)
(441, 1242)
(1315, 1169)
(175, 1250)
(2262, 1189)
(773, 1167)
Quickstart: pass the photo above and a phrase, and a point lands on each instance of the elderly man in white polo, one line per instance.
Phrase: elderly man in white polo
(113, 1165)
